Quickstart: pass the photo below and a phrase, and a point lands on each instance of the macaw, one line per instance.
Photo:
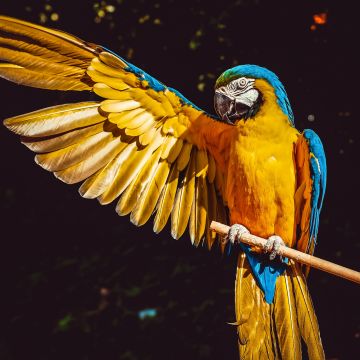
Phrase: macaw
(153, 150)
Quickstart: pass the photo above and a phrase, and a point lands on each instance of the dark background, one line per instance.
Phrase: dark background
(74, 275)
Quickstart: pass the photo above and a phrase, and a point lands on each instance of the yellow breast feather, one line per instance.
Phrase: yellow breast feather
(261, 174)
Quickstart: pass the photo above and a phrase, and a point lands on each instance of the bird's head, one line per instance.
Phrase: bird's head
(242, 91)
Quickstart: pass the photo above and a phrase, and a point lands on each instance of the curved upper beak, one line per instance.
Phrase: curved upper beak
(229, 109)
(222, 104)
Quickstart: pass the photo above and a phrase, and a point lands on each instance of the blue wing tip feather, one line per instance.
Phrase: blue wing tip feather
(318, 176)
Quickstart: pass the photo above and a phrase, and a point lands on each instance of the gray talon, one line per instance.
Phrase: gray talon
(268, 245)
(235, 233)
(273, 246)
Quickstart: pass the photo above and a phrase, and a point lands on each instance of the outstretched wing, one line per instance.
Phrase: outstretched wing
(144, 143)
(311, 185)
(45, 58)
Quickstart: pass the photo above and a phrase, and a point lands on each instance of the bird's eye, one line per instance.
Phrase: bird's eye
(242, 82)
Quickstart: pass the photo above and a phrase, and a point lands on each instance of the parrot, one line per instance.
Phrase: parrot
(160, 156)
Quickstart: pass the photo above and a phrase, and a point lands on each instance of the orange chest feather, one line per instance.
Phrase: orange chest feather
(261, 181)
(256, 158)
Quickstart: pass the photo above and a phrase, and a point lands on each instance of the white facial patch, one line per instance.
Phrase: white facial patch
(249, 97)
(237, 87)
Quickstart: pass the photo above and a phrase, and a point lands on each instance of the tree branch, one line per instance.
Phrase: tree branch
(296, 255)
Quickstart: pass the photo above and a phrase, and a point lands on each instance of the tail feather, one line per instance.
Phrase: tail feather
(274, 331)
(269, 349)
(284, 317)
(44, 58)
(306, 317)
(252, 316)
(264, 348)
(274, 338)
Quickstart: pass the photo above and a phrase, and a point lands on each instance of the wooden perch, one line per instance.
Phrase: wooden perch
(296, 255)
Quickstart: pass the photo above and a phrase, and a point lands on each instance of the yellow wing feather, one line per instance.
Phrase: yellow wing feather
(201, 163)
(150, 196)
(147, 137)
(142, 129)
(82, 170)
(108, 92)
(211, 214)
(44, 58)
(117, 106)
(184, 156)
(55, 120)
(98, 183)
(183, 202)
(136, 143)
(43, 145)
(166, 201)
(131, 195)
(133, 160)
(73, 154)
(169, 142)
(175, 151)
(199, 211)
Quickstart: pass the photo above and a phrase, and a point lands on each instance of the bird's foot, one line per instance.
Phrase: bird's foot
(235, 233)
(272, 246)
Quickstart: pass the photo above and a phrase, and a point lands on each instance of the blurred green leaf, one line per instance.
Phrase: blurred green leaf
(64, 323)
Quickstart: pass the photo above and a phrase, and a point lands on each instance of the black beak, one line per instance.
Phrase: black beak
(228, 109)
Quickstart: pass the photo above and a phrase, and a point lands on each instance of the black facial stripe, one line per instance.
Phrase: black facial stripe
(238, 86)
